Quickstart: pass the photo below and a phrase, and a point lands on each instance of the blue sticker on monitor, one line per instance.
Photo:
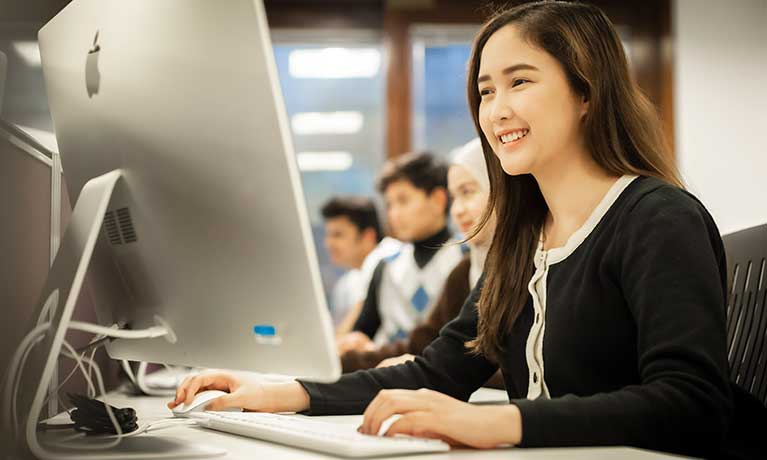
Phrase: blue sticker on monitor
(266, 334)
(264, 329)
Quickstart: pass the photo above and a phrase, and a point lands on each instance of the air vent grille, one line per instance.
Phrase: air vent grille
(118, 227)
(110, 228)
(126, 225)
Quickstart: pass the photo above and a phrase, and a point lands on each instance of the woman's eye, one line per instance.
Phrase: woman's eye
(466, 192)
(485, 91)
(519, 81)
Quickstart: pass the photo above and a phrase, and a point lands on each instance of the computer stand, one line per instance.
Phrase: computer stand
(62, 289)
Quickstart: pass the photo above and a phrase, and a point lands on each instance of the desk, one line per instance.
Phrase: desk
(153, 408)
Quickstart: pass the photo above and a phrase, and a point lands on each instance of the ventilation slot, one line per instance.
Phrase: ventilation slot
(126, 225)
(110, 228)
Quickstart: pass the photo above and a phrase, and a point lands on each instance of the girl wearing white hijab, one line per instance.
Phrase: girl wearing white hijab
(469, 188)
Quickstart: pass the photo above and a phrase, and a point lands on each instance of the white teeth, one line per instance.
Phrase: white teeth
(511, 137)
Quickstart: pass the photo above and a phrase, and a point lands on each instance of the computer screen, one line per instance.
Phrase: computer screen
(206, 230)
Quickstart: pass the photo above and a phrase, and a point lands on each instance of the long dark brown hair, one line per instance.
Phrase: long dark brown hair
(621, 131)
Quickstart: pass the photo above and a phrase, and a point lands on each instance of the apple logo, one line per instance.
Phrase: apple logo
(92, 75)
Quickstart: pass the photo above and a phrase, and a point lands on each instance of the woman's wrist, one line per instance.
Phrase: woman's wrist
(508, 420)
(285, 397)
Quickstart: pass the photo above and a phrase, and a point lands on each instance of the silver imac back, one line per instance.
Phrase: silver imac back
(207, 228)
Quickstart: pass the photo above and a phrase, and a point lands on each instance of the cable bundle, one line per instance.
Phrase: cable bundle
(90, 416)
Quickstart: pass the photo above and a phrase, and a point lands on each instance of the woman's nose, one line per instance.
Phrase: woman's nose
(501, 109)
(457, 209)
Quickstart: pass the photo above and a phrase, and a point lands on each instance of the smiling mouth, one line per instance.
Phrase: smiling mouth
(513, 136)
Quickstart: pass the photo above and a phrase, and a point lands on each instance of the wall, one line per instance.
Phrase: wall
(721, 106)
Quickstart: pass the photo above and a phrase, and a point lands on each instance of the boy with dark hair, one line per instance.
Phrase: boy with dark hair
(352, 237)
(405, 286)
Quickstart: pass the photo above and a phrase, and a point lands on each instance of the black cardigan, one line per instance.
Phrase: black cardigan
(634, 345)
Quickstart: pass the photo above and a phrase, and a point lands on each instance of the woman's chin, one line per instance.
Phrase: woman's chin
(514, 167)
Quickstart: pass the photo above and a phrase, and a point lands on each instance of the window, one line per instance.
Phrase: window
(333, 86)
(441, 117)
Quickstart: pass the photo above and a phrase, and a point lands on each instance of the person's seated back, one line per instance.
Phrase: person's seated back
(354, 241)
(405, 286)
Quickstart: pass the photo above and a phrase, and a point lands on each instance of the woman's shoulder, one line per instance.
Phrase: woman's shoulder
(654, 205)
(649, 197)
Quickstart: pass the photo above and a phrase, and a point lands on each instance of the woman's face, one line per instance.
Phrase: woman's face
(469, 201)
(528, 112)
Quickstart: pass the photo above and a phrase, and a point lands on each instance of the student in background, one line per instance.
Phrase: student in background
(405, 286)
(603, 298)
(354, 241)
(469, 187)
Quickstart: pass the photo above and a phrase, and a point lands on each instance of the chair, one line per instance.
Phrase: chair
(747, 309)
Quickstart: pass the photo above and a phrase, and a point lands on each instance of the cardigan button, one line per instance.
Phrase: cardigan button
(537, 318)
(535, 377)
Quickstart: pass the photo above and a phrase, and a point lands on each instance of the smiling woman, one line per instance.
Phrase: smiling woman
(549, 96)
(590, 263)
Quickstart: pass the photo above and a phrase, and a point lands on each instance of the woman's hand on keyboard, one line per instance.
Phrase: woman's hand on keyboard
(246, 392)
(430, 414)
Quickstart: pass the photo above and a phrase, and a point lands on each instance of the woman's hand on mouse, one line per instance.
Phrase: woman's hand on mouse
(430, 414)
(246, 392)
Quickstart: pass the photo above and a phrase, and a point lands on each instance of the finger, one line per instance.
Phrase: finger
(217, 382)
(191, 389)
(203, 382)
(423, 425)
(381, 398)
(386, 404)
(224, 402)
(369, 410)
(181, 391)
(403, 402)
(412, 424)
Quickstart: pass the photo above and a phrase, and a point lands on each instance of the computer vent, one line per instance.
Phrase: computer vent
(118, 227)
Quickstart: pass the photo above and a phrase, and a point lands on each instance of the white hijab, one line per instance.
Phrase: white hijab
(470, 156)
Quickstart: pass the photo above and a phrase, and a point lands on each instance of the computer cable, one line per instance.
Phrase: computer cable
(36, 335)
(92, 347)
(90, 416)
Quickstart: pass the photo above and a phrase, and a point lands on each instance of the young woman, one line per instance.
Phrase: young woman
(603, 300)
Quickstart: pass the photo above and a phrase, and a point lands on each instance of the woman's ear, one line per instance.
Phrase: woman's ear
(584, 106)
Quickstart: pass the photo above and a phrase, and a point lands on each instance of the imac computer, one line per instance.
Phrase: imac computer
(189, 213)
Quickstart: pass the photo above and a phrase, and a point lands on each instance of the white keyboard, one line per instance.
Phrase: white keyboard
(331, 438)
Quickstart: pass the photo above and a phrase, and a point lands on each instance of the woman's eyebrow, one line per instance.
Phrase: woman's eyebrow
(508, 70)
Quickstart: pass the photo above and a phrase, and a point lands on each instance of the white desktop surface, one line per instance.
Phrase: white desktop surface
(150, 409)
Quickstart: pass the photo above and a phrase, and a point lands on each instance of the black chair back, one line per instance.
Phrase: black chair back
(747, 309)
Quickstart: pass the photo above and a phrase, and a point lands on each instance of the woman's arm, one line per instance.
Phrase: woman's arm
(445, 367)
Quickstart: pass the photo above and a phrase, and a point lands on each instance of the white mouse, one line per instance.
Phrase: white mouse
(199, 402)
(386, 424)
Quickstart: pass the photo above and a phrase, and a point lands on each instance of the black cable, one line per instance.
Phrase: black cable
(90, 416)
